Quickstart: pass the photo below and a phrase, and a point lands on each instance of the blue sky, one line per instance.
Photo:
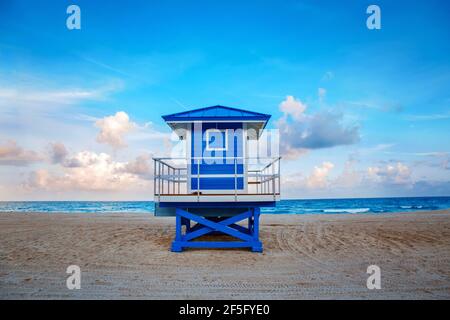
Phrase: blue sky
(148, 58)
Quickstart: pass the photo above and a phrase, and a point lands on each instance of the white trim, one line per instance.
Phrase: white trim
(245, 155)
(220, 198)
(189, 157)
(207, 138)
(218, 121)
(220, 191)
(222, 175)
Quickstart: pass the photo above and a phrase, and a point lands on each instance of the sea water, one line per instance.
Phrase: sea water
(301, 206)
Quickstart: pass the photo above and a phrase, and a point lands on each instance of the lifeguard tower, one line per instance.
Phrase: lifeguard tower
(220, 180)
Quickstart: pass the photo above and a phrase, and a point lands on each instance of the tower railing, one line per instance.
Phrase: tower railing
(172, 175)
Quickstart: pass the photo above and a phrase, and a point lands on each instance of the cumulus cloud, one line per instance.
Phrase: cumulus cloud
(397, 173)
(60, 155)
(319, 176)
(58, 152)
(141, 166)
(300, 132)
(114, 128)
(355, 179)
(293, 108)
(90, 171)
(317, 179)
(324, 130)
(395, 178)
(350, 176)
(13, 155)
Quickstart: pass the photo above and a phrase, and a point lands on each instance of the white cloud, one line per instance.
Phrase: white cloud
(317, 179)
(397, 173)
(114, 128)
(140, 166)
(61, 96)
(13, 155)
(319, 176)
(58, 152)
(290, 153)
(350, 176)
(300, 132)
(393, 179)
(90, 171)
(292, 107)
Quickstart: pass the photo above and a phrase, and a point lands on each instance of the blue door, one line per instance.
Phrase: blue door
(217, 156)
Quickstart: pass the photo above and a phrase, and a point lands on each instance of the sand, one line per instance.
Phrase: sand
(126, 256)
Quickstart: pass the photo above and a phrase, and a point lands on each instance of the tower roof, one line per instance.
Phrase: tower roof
(219, 113)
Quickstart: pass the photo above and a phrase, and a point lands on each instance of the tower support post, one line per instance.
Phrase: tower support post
(246, 237)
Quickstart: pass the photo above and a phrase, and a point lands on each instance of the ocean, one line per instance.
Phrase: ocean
(312, 206)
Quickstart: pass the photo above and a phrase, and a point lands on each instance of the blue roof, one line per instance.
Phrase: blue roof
(217, 113)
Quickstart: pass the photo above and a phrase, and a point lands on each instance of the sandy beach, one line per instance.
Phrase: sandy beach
(305, 257)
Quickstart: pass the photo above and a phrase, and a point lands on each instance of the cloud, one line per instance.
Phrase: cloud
(114, 128)
(299, 131)
(440, 159)
(445, 162)
(90, 171)
(141, 166)
(62, 96)
(13, 155)
(38, 179)
(58, 152)
(323, 130)
(427, 117)
(59, 155)
(431, 188)
(319, 176)
(293, 108)
(350, 176)
(397, 173)
(291, 153)
(356, 180)
(317, 179)
(375, 149)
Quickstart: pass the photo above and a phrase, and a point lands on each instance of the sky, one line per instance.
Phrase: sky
(361, 113)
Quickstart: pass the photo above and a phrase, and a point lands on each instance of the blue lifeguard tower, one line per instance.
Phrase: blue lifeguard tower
(220, 180)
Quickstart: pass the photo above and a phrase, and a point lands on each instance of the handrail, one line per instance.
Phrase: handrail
(274, 159)
(265, 179)
(201, 158)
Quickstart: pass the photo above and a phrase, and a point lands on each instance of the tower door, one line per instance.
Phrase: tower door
(217, 164)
